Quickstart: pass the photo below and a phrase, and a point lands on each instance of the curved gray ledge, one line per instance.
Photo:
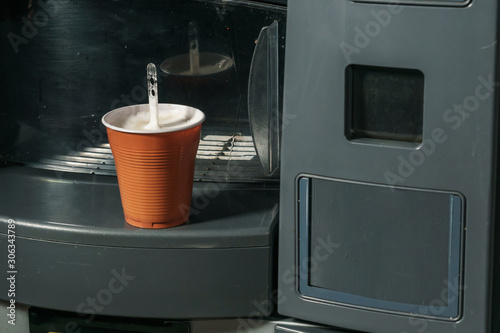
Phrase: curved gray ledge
(86, 209)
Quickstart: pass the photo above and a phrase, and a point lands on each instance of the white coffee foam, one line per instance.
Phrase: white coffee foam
(166, 119)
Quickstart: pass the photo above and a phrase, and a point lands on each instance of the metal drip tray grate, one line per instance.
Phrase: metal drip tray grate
(226, 158)
(220, 158)
(93, 160)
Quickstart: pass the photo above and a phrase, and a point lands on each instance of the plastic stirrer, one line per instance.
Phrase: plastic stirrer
(194, 53)
(153, 98)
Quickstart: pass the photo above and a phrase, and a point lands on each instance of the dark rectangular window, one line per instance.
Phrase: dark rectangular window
(384, 103)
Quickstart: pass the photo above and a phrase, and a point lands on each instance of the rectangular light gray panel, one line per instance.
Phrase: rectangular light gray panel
(422, 2)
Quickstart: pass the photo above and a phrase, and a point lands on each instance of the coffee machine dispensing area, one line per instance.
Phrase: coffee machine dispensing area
(76, 265)
(346, 179)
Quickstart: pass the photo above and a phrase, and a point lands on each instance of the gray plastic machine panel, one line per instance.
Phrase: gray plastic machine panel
(74, 252)
(456, 51)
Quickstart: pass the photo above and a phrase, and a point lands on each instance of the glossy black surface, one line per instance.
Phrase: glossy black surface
(64, 64)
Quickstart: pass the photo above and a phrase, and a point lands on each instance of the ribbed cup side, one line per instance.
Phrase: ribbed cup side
(155, 175)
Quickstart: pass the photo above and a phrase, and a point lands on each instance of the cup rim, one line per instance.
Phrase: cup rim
(197, 118)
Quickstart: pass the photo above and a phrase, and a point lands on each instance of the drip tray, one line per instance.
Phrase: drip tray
(72, 240)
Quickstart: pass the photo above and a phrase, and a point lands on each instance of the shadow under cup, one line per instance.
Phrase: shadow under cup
(155, 169)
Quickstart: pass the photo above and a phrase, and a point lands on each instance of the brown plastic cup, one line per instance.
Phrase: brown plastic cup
(155, 169)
